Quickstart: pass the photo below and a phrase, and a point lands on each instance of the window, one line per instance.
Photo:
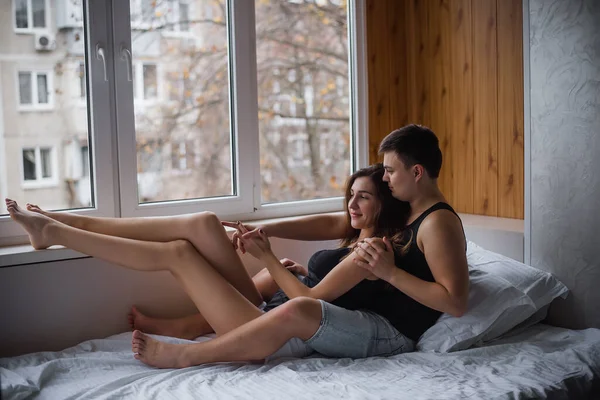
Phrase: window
(35, 90)
(38, 166)
(300, 58)
(145, 81)
(82, 81)
(196, 125)
(30, 14)
(164, 15)
(41, 134)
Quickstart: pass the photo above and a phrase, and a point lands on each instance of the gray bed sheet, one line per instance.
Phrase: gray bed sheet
(539, 362)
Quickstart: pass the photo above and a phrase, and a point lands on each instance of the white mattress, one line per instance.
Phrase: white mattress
(539, 362)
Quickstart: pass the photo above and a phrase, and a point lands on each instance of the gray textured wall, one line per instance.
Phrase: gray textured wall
(565, 152)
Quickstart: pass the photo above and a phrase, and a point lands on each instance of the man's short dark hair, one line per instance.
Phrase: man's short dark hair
(415, 144)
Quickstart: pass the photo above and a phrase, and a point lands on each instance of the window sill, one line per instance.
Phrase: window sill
(11, 256)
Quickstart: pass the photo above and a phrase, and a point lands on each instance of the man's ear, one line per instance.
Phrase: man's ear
(418, 171)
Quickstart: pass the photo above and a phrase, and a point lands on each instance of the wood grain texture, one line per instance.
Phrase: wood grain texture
(378, 73)
(453, 66)
(397, 50)
(510, 109)
(485, 111)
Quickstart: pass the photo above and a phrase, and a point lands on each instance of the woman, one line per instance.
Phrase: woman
(223, 291)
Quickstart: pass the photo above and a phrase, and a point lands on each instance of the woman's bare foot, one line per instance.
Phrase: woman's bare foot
(158, 354)
(35, 224)
(176, 327)
(59, 216)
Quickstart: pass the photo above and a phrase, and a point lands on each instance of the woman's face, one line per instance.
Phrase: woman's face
(363, 204)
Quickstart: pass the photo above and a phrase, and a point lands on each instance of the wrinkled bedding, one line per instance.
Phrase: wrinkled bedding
(539, 362)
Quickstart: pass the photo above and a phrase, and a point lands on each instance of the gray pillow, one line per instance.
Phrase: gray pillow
(503, 293)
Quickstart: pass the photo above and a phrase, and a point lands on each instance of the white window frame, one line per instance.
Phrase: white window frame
(40, 182)
(30, 28)
(104, 190)
(246, 203)
(114, 173)
(35, 104)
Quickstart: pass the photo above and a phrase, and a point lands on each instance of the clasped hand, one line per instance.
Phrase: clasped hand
(376, 255)
(253, 241)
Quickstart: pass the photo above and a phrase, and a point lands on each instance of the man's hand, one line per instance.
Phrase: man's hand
(376, 256)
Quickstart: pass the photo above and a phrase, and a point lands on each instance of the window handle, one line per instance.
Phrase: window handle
(126, 56)
(100, 56)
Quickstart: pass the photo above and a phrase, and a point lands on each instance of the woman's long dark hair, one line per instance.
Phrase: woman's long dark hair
(392, 216)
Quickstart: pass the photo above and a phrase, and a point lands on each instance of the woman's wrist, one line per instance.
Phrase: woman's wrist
(268, 258)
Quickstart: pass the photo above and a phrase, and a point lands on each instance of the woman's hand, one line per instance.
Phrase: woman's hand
(294, 267)
(376, 256)
(256, 243)
(240, 229)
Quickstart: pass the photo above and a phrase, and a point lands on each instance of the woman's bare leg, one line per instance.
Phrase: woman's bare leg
(223, 307)
(255, 340)
(192, 326)
(203, 230)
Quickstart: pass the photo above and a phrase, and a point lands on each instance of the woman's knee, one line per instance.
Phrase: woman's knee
(204, 223)
(301, 314)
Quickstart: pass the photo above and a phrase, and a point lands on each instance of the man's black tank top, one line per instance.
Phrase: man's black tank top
(408, 316)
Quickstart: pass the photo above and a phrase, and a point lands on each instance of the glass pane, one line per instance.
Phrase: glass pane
(43, 161)
(42, 88)
(303, 98)
(25, 87)
(46, 163)
(38, 8)
(29, 165)
(183, 138)
(20, 13)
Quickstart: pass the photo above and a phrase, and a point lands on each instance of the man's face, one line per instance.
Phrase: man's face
(399, 178)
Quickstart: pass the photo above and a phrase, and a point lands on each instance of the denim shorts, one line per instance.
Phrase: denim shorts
(348, 333)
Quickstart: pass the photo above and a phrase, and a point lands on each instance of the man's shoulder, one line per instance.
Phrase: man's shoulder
(441, 220)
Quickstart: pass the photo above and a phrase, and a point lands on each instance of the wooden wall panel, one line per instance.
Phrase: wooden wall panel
(439, 75)
(379, 73)
(455, 66)
(397, 50)
(485, 114)
(461, 118)
(510, 109)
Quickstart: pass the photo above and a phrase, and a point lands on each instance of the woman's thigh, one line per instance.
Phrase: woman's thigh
(356, 334)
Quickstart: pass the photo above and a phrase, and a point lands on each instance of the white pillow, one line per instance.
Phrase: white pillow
(503, 293)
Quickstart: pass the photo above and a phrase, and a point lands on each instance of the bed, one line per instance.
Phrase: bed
(497, 350)
(538, 362)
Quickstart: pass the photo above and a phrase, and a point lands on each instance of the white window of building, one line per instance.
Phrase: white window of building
(298, 150)
(145, 81)
(39, 167)
(82, 81)
(30, 15)
(35, 90)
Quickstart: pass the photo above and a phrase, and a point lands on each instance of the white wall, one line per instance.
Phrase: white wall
(564, 204)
